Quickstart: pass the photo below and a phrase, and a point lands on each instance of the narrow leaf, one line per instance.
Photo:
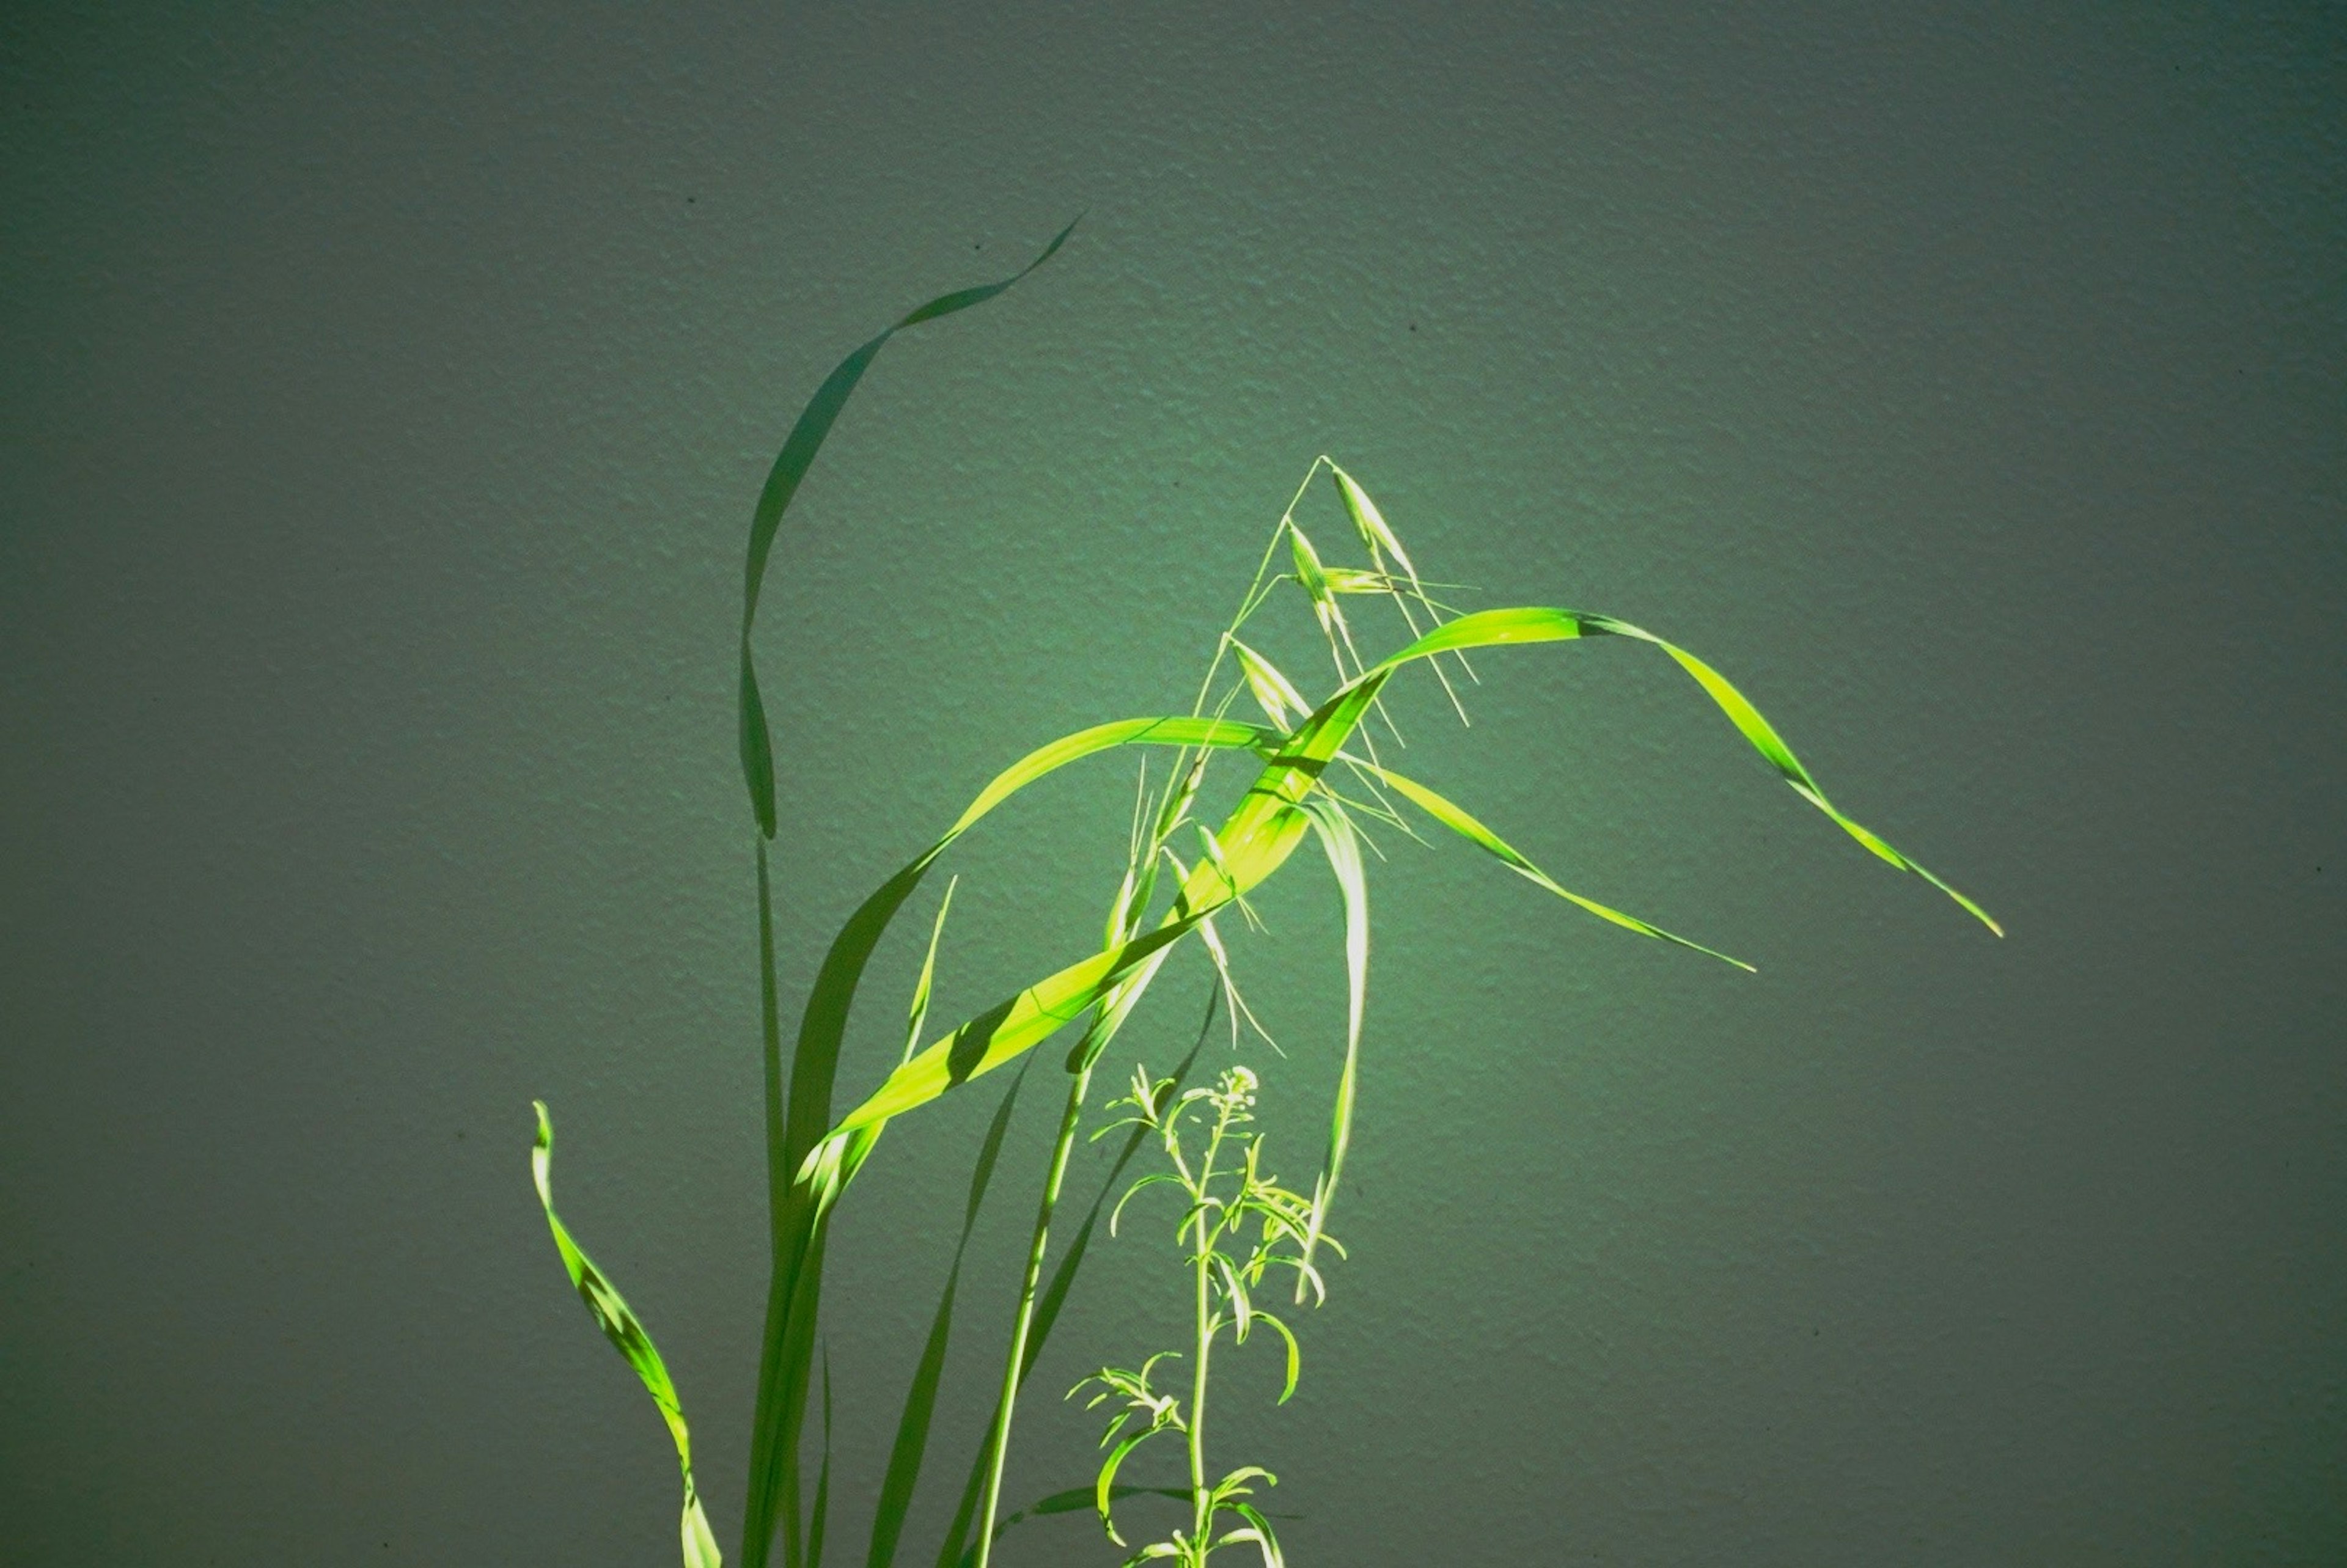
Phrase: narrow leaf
(1342, 845)
(1494, 626)
(790, 465)
(1460, 821)
(626, 1332)
(905, 1456)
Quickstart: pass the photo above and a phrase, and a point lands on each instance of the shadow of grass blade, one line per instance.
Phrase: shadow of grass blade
(790, 465)
(905, 1456)
(1493, 628)
(797, 1212)
(626, 1332)
(1461, 822)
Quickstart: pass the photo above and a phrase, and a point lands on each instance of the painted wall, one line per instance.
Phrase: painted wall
(386, 389)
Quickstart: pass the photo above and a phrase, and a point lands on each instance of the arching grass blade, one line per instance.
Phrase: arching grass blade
(790, 465)
(1342, 844)
(1491, 628)
(1463, 823)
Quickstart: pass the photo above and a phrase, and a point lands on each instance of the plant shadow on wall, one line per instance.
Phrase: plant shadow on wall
(1317, 774)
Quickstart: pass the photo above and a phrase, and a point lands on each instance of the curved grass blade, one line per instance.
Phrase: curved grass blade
(794, 1127)
(904, 1472)
(1457, 818)
(626, 1331)
(918, 1013)
(1342, 844)
(1495, 627)
(1256, 839)
(1259, 1532)
(790, 465)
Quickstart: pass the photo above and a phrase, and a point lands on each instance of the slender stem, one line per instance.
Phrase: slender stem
(999, 1442)
(1252, 600)
(1199, 1521)
(1209, 1231)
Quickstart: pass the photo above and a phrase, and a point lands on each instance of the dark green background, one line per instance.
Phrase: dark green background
(385, 394)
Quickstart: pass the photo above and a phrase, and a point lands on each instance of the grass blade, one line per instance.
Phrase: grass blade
(822, 1509)
(1495, 627)
(904, 1472)
(790, 465)
(626, 1331)
(1457, 818)
(1343, 847)
(798, 1212)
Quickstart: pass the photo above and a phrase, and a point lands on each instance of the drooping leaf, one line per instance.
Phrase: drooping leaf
(1461, 822)
(626, 1332)
(1491, 628)
(1342, 844)
(790, 465)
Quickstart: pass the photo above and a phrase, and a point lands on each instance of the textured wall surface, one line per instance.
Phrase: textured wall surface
(386, 391)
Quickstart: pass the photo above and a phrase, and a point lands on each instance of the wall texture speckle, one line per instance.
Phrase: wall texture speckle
(386, 391)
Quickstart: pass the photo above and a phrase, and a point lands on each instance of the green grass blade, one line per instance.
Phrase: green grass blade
(905, 1456)
(821, 1511)
(1256, 839)
(1342, 844)
(797, 1214)
(1457, 818)
(1496, 626)
(918, 1013)
(626, 1332)
(790, 465)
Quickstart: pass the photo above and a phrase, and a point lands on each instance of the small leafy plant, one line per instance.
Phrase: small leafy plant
(1226, 1188)
(1316, 774)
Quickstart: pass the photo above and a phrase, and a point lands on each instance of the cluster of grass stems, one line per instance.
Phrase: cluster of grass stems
(1318, 774)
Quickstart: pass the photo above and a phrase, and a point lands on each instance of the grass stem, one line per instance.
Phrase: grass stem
(998, 1441)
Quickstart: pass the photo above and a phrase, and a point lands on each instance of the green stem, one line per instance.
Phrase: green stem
(1199, 1521)
(1203, 1262)
(999, 1441)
